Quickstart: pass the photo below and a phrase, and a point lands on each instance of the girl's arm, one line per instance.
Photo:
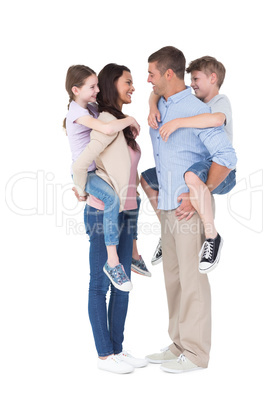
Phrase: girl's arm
(200, 121)
(108, 128)
(154, 116)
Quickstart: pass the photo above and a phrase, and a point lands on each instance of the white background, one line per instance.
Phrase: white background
(47, 348)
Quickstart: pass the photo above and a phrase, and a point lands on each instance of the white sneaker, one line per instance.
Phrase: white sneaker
(164, 356)
(133, 361)
(115, 365)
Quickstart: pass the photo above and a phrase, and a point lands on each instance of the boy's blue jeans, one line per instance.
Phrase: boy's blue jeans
(104, 192)
(107, 324)
(201, 170)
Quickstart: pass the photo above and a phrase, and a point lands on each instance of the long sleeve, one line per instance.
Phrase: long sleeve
(96, 146)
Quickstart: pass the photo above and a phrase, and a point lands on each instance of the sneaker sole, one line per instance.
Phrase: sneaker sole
(173, 371)
(206, 271)
(155, 262)
(115, 284)
(140, 272)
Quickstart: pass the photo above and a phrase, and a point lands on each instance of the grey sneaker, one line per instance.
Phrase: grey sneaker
(118, 277)
(165, 356)
(157, 257)
(181, 365)
(139, 267)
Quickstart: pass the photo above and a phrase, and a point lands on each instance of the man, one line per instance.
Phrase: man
(188, 291)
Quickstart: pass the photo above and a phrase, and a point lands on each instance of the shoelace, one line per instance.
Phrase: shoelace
(182, 358)
(207, 250)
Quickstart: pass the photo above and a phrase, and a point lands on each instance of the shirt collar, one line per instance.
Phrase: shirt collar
(178, 96)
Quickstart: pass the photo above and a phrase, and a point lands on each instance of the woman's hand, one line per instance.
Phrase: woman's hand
(80, 198)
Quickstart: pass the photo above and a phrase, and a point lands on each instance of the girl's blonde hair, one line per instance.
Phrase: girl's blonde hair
(76, 76)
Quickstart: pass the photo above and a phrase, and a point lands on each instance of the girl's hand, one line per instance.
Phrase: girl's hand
(167, 129)
(135, 128)
(154, 118)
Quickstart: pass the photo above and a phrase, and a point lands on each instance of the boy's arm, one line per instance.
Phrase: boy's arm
(200, 121)
(154, 115)
(108, 128)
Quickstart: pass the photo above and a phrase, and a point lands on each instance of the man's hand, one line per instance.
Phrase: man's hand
(185, 210)
(80, 198)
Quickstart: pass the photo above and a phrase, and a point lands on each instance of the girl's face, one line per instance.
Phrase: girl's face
(125, 88)
(88, 92)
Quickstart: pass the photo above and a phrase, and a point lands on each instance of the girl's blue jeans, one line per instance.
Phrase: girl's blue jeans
(104, 192)
(107, 322)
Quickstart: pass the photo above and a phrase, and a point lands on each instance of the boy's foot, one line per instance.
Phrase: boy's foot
(114, 365)
(139, 267)
(210, 254)
(118, 277)
(157, 257)
(164, 356)
(133, 361)
(181, 365)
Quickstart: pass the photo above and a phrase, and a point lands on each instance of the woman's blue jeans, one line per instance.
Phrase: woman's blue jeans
(107, 323)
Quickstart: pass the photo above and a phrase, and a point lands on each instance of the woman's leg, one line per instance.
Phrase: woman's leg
(118, 304)
(99, 283)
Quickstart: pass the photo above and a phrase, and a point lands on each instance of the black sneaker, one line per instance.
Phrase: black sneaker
(210, 254)
(157, 257)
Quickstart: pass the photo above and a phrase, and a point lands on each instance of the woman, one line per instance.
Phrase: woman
(116, 157)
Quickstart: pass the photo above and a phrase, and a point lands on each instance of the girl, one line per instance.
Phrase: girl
(82, 87)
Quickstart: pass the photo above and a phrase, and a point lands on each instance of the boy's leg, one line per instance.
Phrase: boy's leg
(150, 186)
(195, 178)
(149, 183)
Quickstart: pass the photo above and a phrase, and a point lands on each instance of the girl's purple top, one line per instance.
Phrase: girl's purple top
(79, 135)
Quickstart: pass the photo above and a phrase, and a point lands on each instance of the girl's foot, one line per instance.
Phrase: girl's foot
(118, 277)
(115, 365)
(139, 267)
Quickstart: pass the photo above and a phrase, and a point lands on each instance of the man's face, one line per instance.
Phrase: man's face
(201, 84)
(156, 79)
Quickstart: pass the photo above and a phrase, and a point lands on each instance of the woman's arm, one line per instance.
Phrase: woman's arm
(154, 116)
(204, 120)
(110, 127)
(93, 149)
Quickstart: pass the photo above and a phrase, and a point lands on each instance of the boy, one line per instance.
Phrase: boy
(207, 76)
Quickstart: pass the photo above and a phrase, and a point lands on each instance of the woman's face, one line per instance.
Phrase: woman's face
(125, 88)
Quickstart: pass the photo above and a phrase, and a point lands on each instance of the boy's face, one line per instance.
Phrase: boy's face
(201, 84)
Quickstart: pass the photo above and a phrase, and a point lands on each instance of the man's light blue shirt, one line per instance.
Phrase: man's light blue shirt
(185, 147)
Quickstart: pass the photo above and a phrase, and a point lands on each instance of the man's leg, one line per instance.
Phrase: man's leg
(188, 291)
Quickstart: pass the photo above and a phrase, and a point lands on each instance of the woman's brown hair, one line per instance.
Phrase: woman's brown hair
(107, 98)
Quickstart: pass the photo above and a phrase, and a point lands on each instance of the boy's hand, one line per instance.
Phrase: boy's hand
(185, 210)
(167, 129)
(154, 118)
(80, 198)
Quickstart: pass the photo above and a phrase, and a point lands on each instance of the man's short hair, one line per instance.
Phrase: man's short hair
(208, 65)
(169, 57)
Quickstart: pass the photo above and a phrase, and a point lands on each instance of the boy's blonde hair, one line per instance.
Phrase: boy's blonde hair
(208, 65)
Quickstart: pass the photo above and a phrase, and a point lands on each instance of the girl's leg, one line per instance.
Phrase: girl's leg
(152, 195)
(103, 191)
